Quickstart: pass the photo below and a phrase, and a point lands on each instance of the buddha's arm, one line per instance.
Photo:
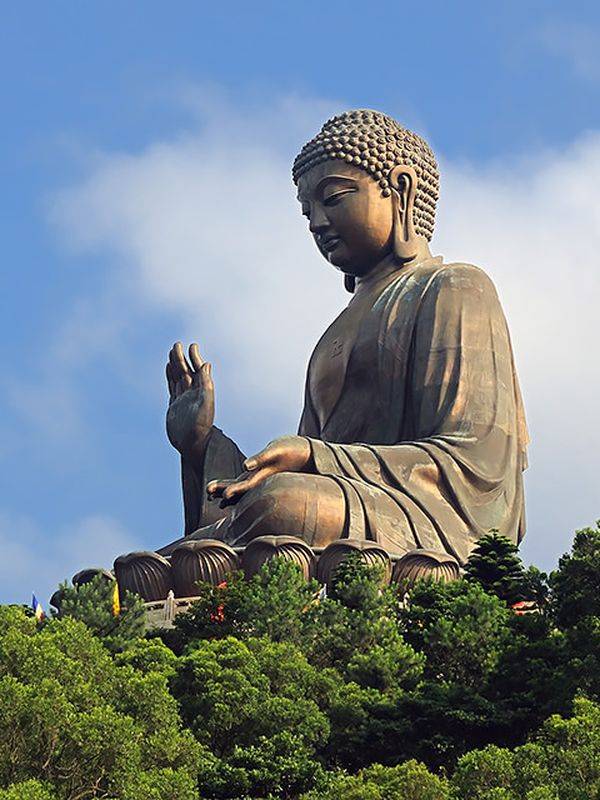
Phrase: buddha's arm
(284, 454)
(309, 424)
(221, 458)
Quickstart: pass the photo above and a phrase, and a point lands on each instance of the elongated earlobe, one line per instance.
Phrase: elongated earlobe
(404, 236)
(350, 283)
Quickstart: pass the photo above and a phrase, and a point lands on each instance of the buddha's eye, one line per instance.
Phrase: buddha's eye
(334, 198)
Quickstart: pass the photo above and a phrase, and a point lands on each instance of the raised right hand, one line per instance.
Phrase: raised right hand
(191, 411)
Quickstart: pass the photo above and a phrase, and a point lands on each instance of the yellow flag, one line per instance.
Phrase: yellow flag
(116, 603)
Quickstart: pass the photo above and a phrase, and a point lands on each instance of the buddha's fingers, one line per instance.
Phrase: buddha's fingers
(181, 369)
(215, 489)
(174, 371)
(175, 365)
(232, 493)
(195, 358)
(170, 381)
(180, 360)
(208, 388)
(268, 455)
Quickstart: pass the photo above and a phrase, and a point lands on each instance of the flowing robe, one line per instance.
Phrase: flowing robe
(413, 409)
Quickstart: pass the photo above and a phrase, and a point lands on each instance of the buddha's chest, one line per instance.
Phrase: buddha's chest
(339, 358)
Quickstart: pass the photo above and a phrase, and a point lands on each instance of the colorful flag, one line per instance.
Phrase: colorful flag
(116, 602)
(38, 611)
(219, 614)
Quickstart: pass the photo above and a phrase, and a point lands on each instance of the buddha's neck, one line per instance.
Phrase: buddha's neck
(390, 264)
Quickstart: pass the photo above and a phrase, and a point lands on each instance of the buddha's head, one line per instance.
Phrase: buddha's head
(369, 188)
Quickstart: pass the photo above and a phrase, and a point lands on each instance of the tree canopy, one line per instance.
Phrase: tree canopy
(496, 566)
(265, 689)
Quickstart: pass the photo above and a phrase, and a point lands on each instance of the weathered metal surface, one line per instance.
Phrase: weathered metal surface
(146, 574)
(264, 548)
(205, 560)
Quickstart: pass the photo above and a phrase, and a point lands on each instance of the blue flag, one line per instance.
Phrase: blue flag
(38, 611)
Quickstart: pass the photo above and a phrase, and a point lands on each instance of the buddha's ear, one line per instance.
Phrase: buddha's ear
(350, 283)
(403, 184)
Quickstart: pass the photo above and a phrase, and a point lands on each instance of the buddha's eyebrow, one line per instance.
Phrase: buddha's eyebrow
(331, 178)
(325, 181)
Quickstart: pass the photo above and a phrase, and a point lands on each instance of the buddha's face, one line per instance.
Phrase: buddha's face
(349, 218)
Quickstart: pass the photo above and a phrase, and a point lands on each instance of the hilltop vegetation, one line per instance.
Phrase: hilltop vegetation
(264, 691)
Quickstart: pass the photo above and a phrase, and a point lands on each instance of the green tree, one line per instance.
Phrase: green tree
(28, 790)
(571, 751)
(92, 603)
(272, 692)
(408, 781)
(463, 632)
(355, 631)
(532, 678)
(163, 784)
(483, 772)
(583, 649)
(367, 725)
(576, 608)
(460, 628)
(495, 565)
(278, 767)
(255, 705)
(73, 719)
(536, 587)
(561, 763)
(435, 724)
(576, 582)
(272, 603)
(444, 721)
(148, 655)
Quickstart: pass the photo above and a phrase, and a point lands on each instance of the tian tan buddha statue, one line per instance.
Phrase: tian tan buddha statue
(413, 433)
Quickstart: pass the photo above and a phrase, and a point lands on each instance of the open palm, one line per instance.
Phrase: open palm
(191, 410)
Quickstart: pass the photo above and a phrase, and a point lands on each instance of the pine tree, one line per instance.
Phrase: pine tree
(576, 582)
(93, 604)
(495, 564)
(536, 587)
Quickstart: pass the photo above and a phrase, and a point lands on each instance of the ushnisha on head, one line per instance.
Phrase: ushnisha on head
(369, 188)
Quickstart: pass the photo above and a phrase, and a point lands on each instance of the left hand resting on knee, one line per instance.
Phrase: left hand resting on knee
(286, 454)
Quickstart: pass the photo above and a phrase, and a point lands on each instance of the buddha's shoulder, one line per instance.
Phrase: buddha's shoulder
(454, 276)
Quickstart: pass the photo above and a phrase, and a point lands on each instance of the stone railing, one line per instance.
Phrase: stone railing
(161, 613)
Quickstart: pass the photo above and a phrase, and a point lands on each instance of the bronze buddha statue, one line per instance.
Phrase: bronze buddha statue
(413, 432)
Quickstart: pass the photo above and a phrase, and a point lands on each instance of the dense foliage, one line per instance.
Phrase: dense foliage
(266, 690)
(93, 603)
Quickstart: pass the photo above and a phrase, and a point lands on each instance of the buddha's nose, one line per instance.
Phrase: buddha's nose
(318, 221)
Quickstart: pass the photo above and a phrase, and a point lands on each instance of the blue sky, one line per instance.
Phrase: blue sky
(146, 198)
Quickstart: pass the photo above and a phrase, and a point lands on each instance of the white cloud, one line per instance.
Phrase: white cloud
(205, 227)
(34, 561)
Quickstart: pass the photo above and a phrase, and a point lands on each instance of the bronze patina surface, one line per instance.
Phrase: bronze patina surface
(413, 432)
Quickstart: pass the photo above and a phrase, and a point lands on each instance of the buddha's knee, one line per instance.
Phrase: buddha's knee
(276, 506)
(284, 487)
